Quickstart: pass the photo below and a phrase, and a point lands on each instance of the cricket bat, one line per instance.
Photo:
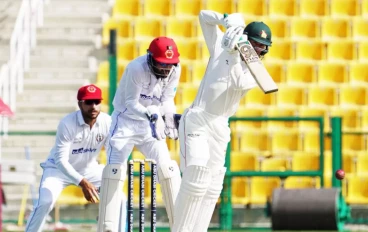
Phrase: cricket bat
(255, 66)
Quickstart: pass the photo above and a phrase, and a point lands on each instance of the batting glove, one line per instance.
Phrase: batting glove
(231, 38)
(233, 20)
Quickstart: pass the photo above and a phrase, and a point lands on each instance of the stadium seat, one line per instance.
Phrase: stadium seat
(332, 73)
(276, 70)
(126, 49)
(362, 164)
(304, 28)
(364, 7)
(240, 188)
(358, 73)
(256, 97)
(251, 7)
(178, 27)
(147, 27)
(341, 50)
(254, 141)
(285, 141)
(306, 111)
(279, 26)
(143, 45)
(189, 49)
(122, 26)
(305, 161)
(196, 71)
(353, 95)
(121, 68)
(261, 189)
(248, 112)
(357, 190)
(103, 72)
(126, 8)
(148, 191)
(353, 142)
(282, 50)
(363, 51)
(335, 28)
(349, 162)
(158, 8)
(360, 32)
(308, 8)
(290, 95)
(277, 111)
(341, 8)
(173, 145)
(299, 72)
(184, 77)
(279, 164)
(72, 195)
(188, 7)
(350, 117)
(297, 182)
(220, 6)
(364, 118)
(188, 94)
(322, 95)
(310, 50)
(327, 176)
(282, 7)
(243, 161)
(311, 141)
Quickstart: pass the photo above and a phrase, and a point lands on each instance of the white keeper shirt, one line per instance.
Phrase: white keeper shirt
(77, 145)
(139, 88)
(225, 82)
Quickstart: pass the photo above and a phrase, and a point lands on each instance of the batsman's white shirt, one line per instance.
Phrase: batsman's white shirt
(204, 130)
(72, 158)
(139, 88)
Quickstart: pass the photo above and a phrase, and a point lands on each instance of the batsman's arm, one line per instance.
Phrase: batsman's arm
(64, 140)
(211, 32)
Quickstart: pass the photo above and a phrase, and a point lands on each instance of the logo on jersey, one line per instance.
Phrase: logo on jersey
(99, 137)
(83, 150)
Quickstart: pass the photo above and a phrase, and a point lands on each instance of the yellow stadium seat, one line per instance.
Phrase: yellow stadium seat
(158, 8)
(282, 7)
(240, 190)
(147, 27)
(327, 168)
(310, 50)
(344, 8)
(341, 50)
(254, 141)
(349, 162)
(282, 50)
(305, 161)
(196, 71)
(364, 118)
(102, 157)
(143, 45)
(306, 111)
(357, 190)
(251, 7)
(188, 7)
(313, 8)
(311, 141)
(188, 95)
(278, 25)
(103, 72)
(304, 28)
(243, 161)
(350, 117)
(189, 49)
(332, 73)
(362, 163)
(261, 189)
(256, 97)
(248, 112)
(322, 95)
(353, 142)
(277, 111)
(335, 28)
(353, 95)
(276, 70)
(290, 95)
(177, 27)
(184, 78)
(72, 195)
(363, 51)
(285, 141)
(360, 25)
(173, 145)
(300, 72)
(297, 182)
(226, 6)
(124, 8)
(279, 164)
(126, 49)
(121, 68)
(358, 73)
(364, 7)
(123, 27)
(104, 86)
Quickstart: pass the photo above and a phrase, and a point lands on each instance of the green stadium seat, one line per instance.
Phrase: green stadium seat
(261, 189)
(297, 182)
(310, 8)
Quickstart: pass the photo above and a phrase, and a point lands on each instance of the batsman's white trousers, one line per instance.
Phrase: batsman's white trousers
(125, 133)
(203, 139)
(53, 181)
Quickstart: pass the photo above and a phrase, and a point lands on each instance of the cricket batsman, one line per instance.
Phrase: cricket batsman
(146, 92)
(203, 131)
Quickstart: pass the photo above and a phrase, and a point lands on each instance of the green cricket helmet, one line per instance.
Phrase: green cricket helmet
(259, 32)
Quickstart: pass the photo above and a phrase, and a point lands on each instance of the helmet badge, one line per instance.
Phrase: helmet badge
(263, 34)
(169, 52)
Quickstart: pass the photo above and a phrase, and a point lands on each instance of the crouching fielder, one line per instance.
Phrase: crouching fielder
(146, 92)
(204, 132)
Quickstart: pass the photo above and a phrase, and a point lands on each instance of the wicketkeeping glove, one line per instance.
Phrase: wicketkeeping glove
(156, 122)
(172, 125)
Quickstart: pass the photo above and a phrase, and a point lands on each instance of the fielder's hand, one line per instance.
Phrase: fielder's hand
(156, 122)
(89, 191)
(233, 20)
(172, 124)
(231, 38)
